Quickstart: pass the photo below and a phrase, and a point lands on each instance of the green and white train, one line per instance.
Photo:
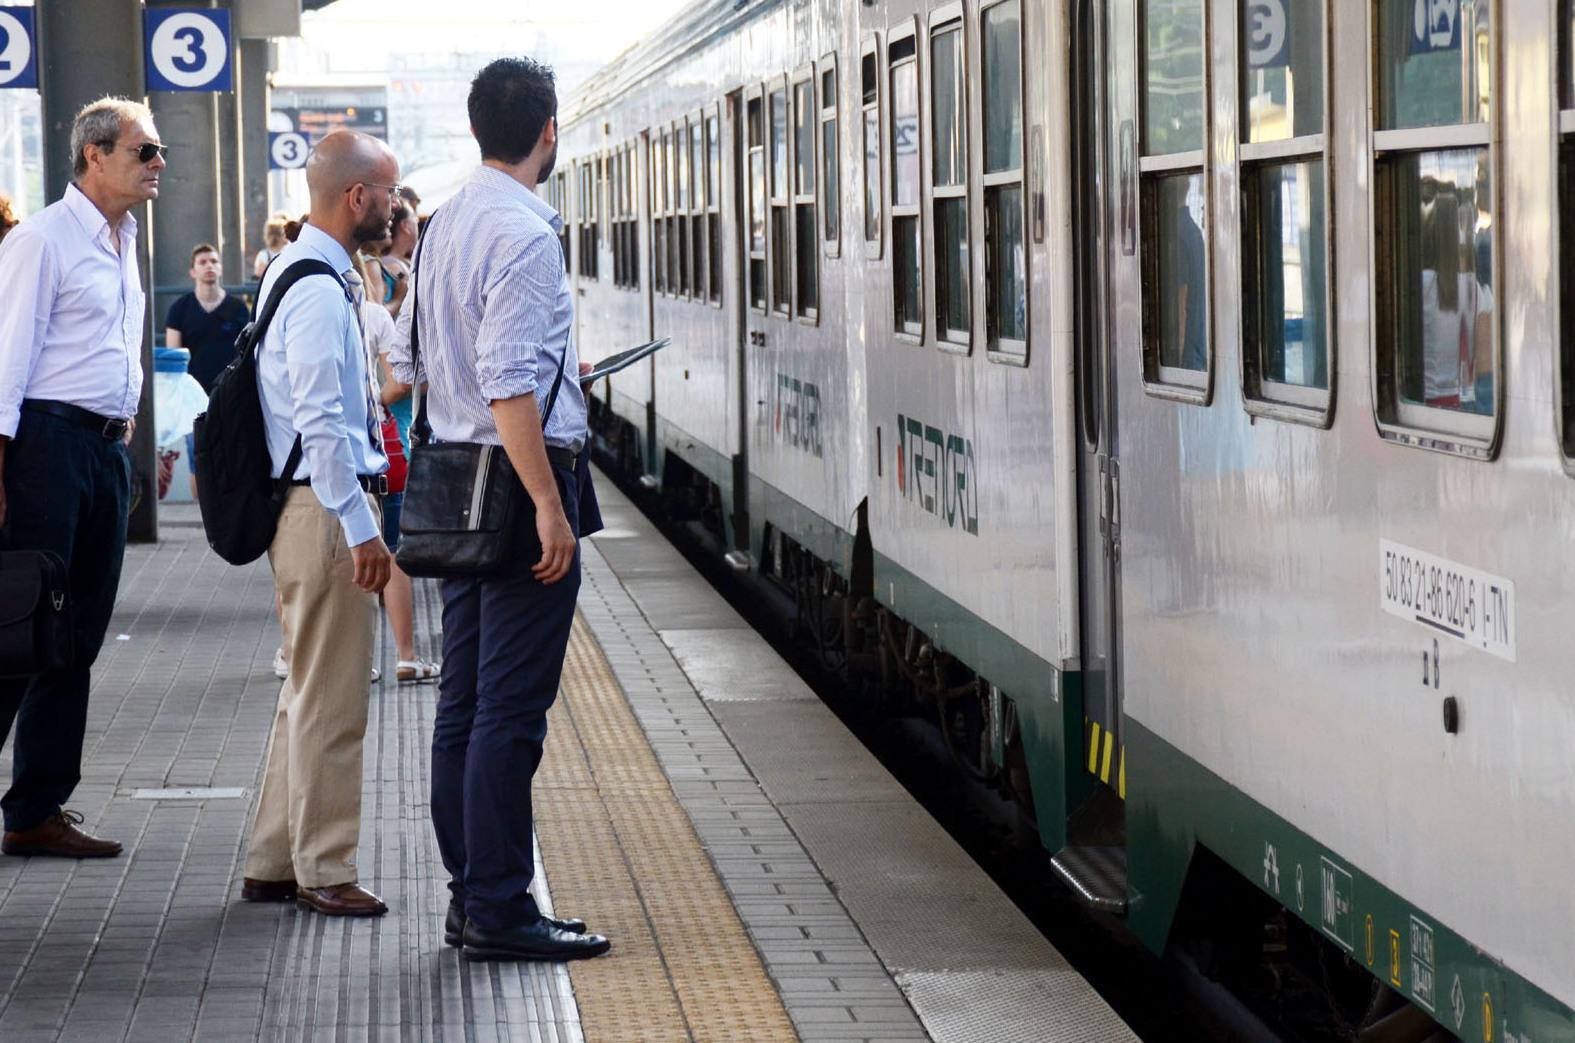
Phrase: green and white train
(1180, 391)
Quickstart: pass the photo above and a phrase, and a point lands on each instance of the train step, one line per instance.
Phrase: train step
(1097, 873)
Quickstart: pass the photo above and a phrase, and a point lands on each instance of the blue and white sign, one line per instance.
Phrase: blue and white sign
(18, 54)
(188, 49)
(1268, 34)
(1435, 26)
(287, 150)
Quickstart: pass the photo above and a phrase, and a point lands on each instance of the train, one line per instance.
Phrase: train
(1178, 395)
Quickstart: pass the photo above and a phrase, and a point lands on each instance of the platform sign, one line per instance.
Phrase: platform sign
(1435, 26)
(188, 49)
(287, 150)
(1268, 34)
(18, 50)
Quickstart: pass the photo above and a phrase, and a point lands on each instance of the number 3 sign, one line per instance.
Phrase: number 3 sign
(188, 49)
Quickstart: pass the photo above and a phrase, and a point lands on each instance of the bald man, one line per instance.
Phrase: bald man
(328, 557)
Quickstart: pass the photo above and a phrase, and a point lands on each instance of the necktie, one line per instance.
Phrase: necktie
(373, 413)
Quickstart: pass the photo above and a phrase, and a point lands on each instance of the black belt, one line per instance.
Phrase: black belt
(372, 483)
(561, 456)
(111, 428)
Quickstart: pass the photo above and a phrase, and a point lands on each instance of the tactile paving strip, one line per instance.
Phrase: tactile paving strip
(621, 851)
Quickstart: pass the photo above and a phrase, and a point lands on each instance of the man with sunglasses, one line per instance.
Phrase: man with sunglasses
(71, 328)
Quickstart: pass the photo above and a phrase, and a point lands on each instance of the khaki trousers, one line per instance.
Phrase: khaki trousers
(309, 811)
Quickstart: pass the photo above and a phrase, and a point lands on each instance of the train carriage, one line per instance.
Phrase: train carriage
(1177, 394)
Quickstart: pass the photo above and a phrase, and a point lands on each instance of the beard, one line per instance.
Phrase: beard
(372, 228)
(546, 168)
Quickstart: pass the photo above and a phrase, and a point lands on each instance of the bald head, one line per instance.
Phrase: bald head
(351, 177)
(344, 159)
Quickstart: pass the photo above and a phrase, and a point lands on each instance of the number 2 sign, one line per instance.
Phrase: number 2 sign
(188, 49)
(18, 64)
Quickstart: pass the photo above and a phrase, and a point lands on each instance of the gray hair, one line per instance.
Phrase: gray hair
(100, 123)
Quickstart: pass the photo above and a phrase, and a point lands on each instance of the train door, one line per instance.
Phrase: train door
(1099, 463)
(733, 186)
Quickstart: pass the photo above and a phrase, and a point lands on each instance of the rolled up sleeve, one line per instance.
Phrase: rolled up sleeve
(399, 361)
(312, 320)
(517, 308)
(27, 291)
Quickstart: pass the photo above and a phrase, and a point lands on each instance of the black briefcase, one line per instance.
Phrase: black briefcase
(35, 613)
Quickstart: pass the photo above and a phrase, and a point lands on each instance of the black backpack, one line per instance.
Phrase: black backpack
(236, 491)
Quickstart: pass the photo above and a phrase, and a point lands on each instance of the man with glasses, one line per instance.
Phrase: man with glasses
(329, 561)
(71, 327)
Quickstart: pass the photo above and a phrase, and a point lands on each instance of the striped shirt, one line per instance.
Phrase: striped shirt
(497, 313)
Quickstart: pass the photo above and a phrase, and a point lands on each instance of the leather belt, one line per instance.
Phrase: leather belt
(372, 483)
(561, 456)
(111, 428)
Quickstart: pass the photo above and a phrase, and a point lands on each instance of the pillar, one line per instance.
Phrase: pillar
(255, 66)
(87, 49)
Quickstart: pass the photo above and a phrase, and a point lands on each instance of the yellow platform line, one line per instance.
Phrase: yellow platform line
(620, 851)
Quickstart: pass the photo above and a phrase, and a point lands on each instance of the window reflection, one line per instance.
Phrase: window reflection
(1435, 62)
(1443, 258)
(1287, 281)
(1282, 74)
(1182, 322)
(1173, 84)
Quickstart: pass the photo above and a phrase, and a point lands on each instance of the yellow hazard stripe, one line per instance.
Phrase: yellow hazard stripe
(1105, 755)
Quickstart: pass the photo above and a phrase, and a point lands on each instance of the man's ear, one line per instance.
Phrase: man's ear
(549, 133)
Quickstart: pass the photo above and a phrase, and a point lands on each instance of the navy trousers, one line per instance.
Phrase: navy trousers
(67, 490)
(504, 638)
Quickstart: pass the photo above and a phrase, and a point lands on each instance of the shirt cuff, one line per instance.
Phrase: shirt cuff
(360, 524)
(509, 380)
(10, 420)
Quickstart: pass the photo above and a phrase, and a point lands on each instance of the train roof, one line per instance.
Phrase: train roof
(687, 31)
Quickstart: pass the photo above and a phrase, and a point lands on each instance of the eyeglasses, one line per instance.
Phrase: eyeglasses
(145, 152)
(393, 190)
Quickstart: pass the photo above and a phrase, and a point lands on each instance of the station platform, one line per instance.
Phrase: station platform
(761, 876)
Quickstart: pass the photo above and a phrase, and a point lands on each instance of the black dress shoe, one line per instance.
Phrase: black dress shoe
(537, 941)
(454, 925)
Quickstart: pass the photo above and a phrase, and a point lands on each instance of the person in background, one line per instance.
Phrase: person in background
(207, 320)
(394, 258)
(71, 326)
(274, 242)
(8, 219)
(412, 200)
(398, 596)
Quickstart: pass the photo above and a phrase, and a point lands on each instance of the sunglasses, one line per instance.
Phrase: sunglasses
(145, 151)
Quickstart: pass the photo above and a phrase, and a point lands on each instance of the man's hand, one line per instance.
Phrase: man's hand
(586, 367)
(557, 545)
(131, 429)
(372, 564)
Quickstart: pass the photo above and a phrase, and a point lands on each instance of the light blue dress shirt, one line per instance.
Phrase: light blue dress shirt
(497, 313)
(312, 374)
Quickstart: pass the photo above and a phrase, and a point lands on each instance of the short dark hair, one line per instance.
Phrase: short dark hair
(202, 248)
(511, 101)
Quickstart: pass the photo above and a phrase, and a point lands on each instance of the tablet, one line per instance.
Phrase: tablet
(623, 359)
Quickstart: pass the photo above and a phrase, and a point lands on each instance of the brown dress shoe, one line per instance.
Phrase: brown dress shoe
(58, 837)
(340, 900)
(267, 890)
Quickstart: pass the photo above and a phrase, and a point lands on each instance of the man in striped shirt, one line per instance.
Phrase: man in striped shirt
(496, 316)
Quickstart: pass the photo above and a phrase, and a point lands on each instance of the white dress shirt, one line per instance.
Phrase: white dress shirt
(313, 379)
(72, 312)
(497, 314)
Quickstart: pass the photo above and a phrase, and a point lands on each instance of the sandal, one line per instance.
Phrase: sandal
(415, 671)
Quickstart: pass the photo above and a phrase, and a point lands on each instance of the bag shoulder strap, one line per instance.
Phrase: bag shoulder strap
(420, 428)
(298, 270)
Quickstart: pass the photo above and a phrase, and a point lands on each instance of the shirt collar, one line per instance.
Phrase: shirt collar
(497, 179)
(91, 218)
(315, 238)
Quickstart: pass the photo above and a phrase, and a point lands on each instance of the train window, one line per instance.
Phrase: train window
(949, 184)
(1437, 355)
(757, 203)
(1566, 378)
(697, 236)
(561, 179)
(1285, 298)
(658, 209)
(1005, 264)
(806, 237)
(1175, 257)
(713, 205)
(869, 86)
(681, 208)
(830, 202)
(587, 215)
(781, 237)
(907, 276)
(632, 215)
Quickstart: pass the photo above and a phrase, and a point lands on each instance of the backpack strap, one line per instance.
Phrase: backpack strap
(298, 270)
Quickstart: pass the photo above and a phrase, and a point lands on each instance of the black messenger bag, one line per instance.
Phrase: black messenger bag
(35, 613)
(462, 499)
